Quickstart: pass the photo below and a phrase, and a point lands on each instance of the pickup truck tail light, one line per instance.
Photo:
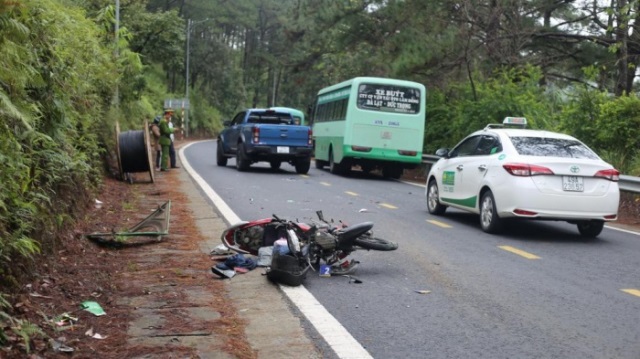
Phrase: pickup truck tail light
(310, 140)
(255, 134)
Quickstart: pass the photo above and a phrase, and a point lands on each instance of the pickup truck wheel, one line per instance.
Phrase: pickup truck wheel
(242, 162)
(221, 160)
(275, 165)
(302, 166)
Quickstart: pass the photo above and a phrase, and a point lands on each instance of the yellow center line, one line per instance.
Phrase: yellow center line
(390, 206)
(519, 252)
(635, 292)
(325, 184)
(351, 193)
(438, 223)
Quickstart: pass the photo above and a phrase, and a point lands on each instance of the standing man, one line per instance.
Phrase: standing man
(172, 149)
(165, 138)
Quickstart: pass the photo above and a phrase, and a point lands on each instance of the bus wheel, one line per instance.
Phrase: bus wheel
(394, 172)
(366, 168)
(334, 167)
(319, 164)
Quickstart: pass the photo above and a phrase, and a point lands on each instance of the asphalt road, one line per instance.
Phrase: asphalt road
(450, 290)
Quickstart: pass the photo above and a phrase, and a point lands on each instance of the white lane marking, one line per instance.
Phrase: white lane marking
(331, 330)
(224, 209)
(336, 336)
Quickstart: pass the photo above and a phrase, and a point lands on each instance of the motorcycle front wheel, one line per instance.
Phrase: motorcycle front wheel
(376, 244)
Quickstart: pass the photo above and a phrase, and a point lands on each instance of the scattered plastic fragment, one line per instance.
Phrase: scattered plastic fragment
(423, 291)
(363, 210)
(98, 204)
(353, 279)
(93, 335)
(65, 319)
(223, 273)
(93, 307)
(59, 347)
(220, 249)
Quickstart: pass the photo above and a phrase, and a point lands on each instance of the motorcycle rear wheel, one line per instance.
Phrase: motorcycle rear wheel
(376, 244)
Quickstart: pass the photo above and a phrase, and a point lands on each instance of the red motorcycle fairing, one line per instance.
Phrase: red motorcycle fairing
(247, 237)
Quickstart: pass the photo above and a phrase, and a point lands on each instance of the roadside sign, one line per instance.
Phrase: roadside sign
(177, 103)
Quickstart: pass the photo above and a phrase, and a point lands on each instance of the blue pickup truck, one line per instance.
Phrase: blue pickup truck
(269, 135)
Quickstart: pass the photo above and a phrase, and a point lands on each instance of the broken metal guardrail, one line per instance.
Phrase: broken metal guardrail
(154, 225)
(626, 183)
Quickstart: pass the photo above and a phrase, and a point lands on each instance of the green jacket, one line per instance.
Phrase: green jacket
(165, 132)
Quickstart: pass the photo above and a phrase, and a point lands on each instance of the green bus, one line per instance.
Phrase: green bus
(298, 116)
(370, 122)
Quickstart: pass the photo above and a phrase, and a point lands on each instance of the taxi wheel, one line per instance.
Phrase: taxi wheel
(489, 219)
(590, 229)
(433, 203)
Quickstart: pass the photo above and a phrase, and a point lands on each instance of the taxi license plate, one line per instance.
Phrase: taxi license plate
(572, 184)
(283, 149)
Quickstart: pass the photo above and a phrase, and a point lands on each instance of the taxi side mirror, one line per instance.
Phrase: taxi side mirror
(442, 152)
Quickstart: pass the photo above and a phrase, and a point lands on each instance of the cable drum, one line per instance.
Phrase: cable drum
(133, 152)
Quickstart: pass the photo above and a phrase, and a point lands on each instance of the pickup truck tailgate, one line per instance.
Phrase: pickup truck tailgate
(283, 135)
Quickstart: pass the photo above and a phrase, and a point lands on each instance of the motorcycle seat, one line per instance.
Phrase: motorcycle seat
(355, 231)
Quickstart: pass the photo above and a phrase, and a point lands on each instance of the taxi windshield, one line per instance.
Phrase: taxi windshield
(552, 147)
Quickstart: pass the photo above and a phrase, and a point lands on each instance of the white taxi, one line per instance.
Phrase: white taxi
(506, 171)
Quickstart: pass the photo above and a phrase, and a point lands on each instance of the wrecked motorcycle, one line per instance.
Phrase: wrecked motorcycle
(321, 241)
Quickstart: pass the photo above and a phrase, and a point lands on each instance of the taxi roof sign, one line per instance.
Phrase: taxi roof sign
(518, 121)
